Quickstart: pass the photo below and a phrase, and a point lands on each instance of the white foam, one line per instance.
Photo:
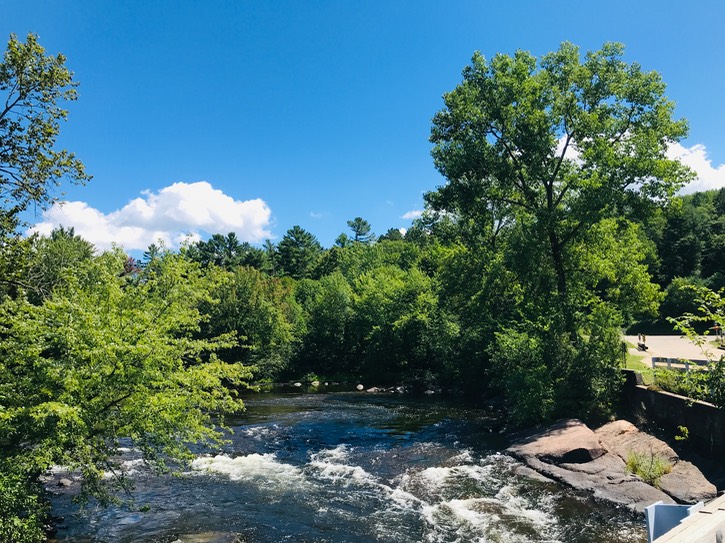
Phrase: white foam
(259, 432)
(129, 467)
(330, 464)
(473, 519)
(518, 506)
(262, 468)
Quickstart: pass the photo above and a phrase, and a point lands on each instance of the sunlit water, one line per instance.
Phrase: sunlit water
(352, 468)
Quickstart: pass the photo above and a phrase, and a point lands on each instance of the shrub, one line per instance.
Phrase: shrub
(648, 467)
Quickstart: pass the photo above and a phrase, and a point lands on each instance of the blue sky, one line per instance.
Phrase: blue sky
(255, 116)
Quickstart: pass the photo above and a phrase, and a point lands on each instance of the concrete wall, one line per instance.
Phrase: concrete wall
(705, 422)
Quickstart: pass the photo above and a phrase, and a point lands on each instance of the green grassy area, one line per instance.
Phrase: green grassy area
(636, 362)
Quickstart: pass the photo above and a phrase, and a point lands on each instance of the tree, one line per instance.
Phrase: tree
(325, 348)
(53, 258)
(31, 87)
(298, 252)
(106, 356)
(711, 312)
(556, 145)
(361, 230)
(545, 162)
(393, 234)
(259, 310)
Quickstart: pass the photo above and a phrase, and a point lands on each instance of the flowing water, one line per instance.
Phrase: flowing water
(351, 468)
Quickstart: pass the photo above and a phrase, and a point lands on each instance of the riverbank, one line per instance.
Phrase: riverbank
(598, 462)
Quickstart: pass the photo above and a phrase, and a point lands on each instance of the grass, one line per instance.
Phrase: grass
(648, 467)
(635, 362)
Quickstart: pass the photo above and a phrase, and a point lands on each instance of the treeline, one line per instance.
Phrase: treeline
(690, 250)
(429, 307)
(434, 307)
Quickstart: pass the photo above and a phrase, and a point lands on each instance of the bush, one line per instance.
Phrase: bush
(648, 467)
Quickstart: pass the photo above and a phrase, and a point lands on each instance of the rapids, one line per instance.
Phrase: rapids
(350, 468)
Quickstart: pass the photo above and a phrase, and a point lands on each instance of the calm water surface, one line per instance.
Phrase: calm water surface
(352, 468)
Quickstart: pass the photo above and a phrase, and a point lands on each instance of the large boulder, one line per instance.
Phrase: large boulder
(567, 441)
(571, 453)
(685, 483)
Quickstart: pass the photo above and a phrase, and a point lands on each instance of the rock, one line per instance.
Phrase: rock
(524, 471)
(567, 441)
(373, 390)
(315, 383)
(571, 453)
(360, 387)
(65, 483)
(685, 483)
(622, 437)
(297, 384)
(429, 392)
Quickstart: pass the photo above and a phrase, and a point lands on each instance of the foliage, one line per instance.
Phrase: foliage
(546, 372)
(707, 384)
(327, 305)
(548, 163)
(257, 309)
(691, 239)
(107, 356)
(691, 384)
(227, 252)
(31, 87)
(648, 467)
(397, 325)
(507, 137)
(62, 253)
(361, 230)
(683, 433)
(22, 511)
(298, 253)
(711, 311)
(393, 234)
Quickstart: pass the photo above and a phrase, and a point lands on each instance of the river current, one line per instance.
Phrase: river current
(351, 468)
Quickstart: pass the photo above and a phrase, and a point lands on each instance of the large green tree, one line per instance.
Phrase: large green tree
(545, 161)
(260, 311)
(555, 145)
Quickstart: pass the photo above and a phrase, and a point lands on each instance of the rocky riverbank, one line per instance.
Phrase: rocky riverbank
(595, 461)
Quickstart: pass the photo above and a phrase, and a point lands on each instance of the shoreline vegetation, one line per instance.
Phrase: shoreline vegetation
(556, 227)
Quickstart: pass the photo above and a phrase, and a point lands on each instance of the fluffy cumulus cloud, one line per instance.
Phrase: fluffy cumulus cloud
(708, 175)
(175, 213)
(415, 214)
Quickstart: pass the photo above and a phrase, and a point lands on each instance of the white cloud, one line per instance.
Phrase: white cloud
(316, 215)
(415, 214)
(708, 176)
(175, 213)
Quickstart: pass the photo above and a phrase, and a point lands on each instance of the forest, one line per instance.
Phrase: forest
(558, 226)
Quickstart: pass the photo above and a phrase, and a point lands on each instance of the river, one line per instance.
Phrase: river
(351, 468)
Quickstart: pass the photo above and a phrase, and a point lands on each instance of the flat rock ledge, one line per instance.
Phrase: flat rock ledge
(595, 462)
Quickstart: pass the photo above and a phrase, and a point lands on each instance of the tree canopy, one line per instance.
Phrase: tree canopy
(555, 145)
(361, 229)
(32, 88)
